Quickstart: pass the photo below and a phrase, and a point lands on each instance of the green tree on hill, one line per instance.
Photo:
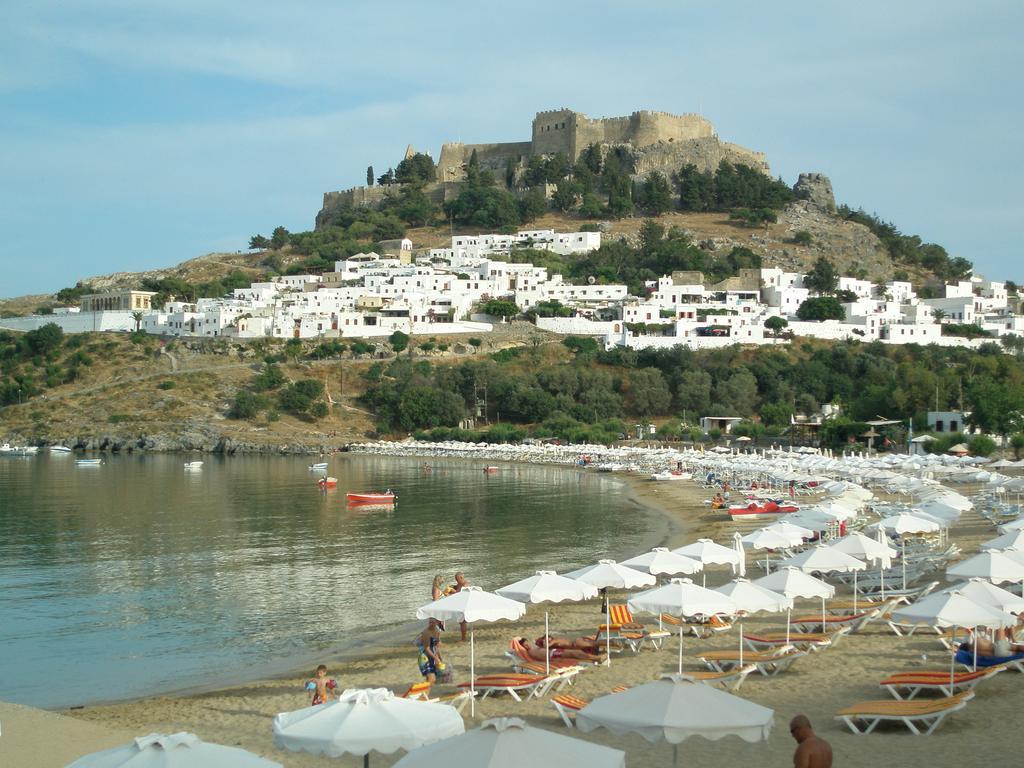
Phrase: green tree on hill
(417, 168)
(656, 195)
(279, 238)
(369, 176)
(823, 277)
(821, 308)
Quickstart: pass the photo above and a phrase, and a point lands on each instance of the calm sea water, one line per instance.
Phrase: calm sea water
(137, 577)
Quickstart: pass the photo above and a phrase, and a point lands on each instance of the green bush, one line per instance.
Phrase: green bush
(399, 341)
(167, 384)
(246, 405)
(981, 445)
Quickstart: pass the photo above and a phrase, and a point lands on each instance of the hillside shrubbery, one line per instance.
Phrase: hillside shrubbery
(766, 385)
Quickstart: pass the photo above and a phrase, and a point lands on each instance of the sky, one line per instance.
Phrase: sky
(137, 135)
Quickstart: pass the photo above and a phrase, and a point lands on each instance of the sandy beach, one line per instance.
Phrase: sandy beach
(817, 685)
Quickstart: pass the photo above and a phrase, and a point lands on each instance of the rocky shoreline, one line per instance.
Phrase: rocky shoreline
(187, 442)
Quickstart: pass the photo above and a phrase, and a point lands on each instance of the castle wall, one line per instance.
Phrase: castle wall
(563, 130)
(493, 157)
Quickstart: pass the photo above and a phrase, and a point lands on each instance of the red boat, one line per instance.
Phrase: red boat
(388, 497)
(327, 482)
(753, 510)
(490, 470)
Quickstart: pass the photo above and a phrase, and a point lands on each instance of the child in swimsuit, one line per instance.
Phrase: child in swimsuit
(320, 684)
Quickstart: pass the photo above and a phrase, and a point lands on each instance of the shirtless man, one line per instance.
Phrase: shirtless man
(812, 751)
(538, 653)
(588, 644)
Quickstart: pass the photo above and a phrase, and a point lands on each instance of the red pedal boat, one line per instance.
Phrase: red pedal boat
(388, 497)
(753, 510)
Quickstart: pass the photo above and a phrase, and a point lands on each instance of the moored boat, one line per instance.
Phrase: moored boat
(755, 511)
(88, 462)
(320, 467)
(327, 482)
(59, 449)
(193, 465)
(490, 470)
(671, 475)
(388, 497)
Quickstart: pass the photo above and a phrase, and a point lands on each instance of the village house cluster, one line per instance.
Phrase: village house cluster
(440, 291)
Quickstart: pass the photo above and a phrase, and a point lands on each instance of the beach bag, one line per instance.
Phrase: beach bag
(445, 673)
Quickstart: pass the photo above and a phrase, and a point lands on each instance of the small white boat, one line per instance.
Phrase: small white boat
(88, 462)
(20, 450)
(193, 465)
(5, 448)
(675, 475)
(321, 467)
(59, 449)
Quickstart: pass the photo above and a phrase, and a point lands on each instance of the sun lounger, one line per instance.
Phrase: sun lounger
(512, 684)
(561, 676)
(699, 629)
(421, 691)
(730, 680)
(813, 622)
(807, 641)
(913, 683)
(921, 716)
(965, 656)
(522, 659)
(621, 627)
(567, 705)
(767, 663)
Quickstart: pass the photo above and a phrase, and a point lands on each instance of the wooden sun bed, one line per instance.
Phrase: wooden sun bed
(917, 681)
(770, 663)
(806, 641)
(921, 716)
(512, 684)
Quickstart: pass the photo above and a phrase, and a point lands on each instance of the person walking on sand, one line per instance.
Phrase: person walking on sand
(812, 751)
(431, 664)
(320, 684)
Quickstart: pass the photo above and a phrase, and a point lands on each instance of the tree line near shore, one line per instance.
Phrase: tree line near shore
(589, 395)
(576, 391)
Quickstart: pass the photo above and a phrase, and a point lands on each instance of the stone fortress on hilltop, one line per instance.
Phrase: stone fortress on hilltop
(648, 141)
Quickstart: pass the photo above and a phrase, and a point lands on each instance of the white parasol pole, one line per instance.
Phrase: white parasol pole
(608, 628)
(472, 672)
(952, 660)
(680, 647)
(823, 614)
(903, 557)
(789, 618)
(547, 646)
(854, 593)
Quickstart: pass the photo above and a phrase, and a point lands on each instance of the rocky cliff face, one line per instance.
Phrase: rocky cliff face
(816, 189)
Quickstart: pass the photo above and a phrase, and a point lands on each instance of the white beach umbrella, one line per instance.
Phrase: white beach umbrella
(753, 598)
(362, 720)
(662, 560)
(608, 574)
(681, 597)
(470, 605)
(987, 593)
(675, 708)
(951, 609)
(548, 587)
(767, 539)
(176, 750)
(792, 582)
(903, 524)
(710, 553)
(824, 559)
(1011, 540)
(508, 742)
(870, 550)
(1013, 525)
(996, 567)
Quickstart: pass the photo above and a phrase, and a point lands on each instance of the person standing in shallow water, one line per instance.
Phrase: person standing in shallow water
(460, 582)
(812, 751)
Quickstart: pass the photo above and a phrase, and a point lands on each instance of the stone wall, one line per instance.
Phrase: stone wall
(493, 157)
(704, 153)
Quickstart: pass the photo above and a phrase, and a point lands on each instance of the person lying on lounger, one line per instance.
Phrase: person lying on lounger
(539, 653)
(560, 642)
